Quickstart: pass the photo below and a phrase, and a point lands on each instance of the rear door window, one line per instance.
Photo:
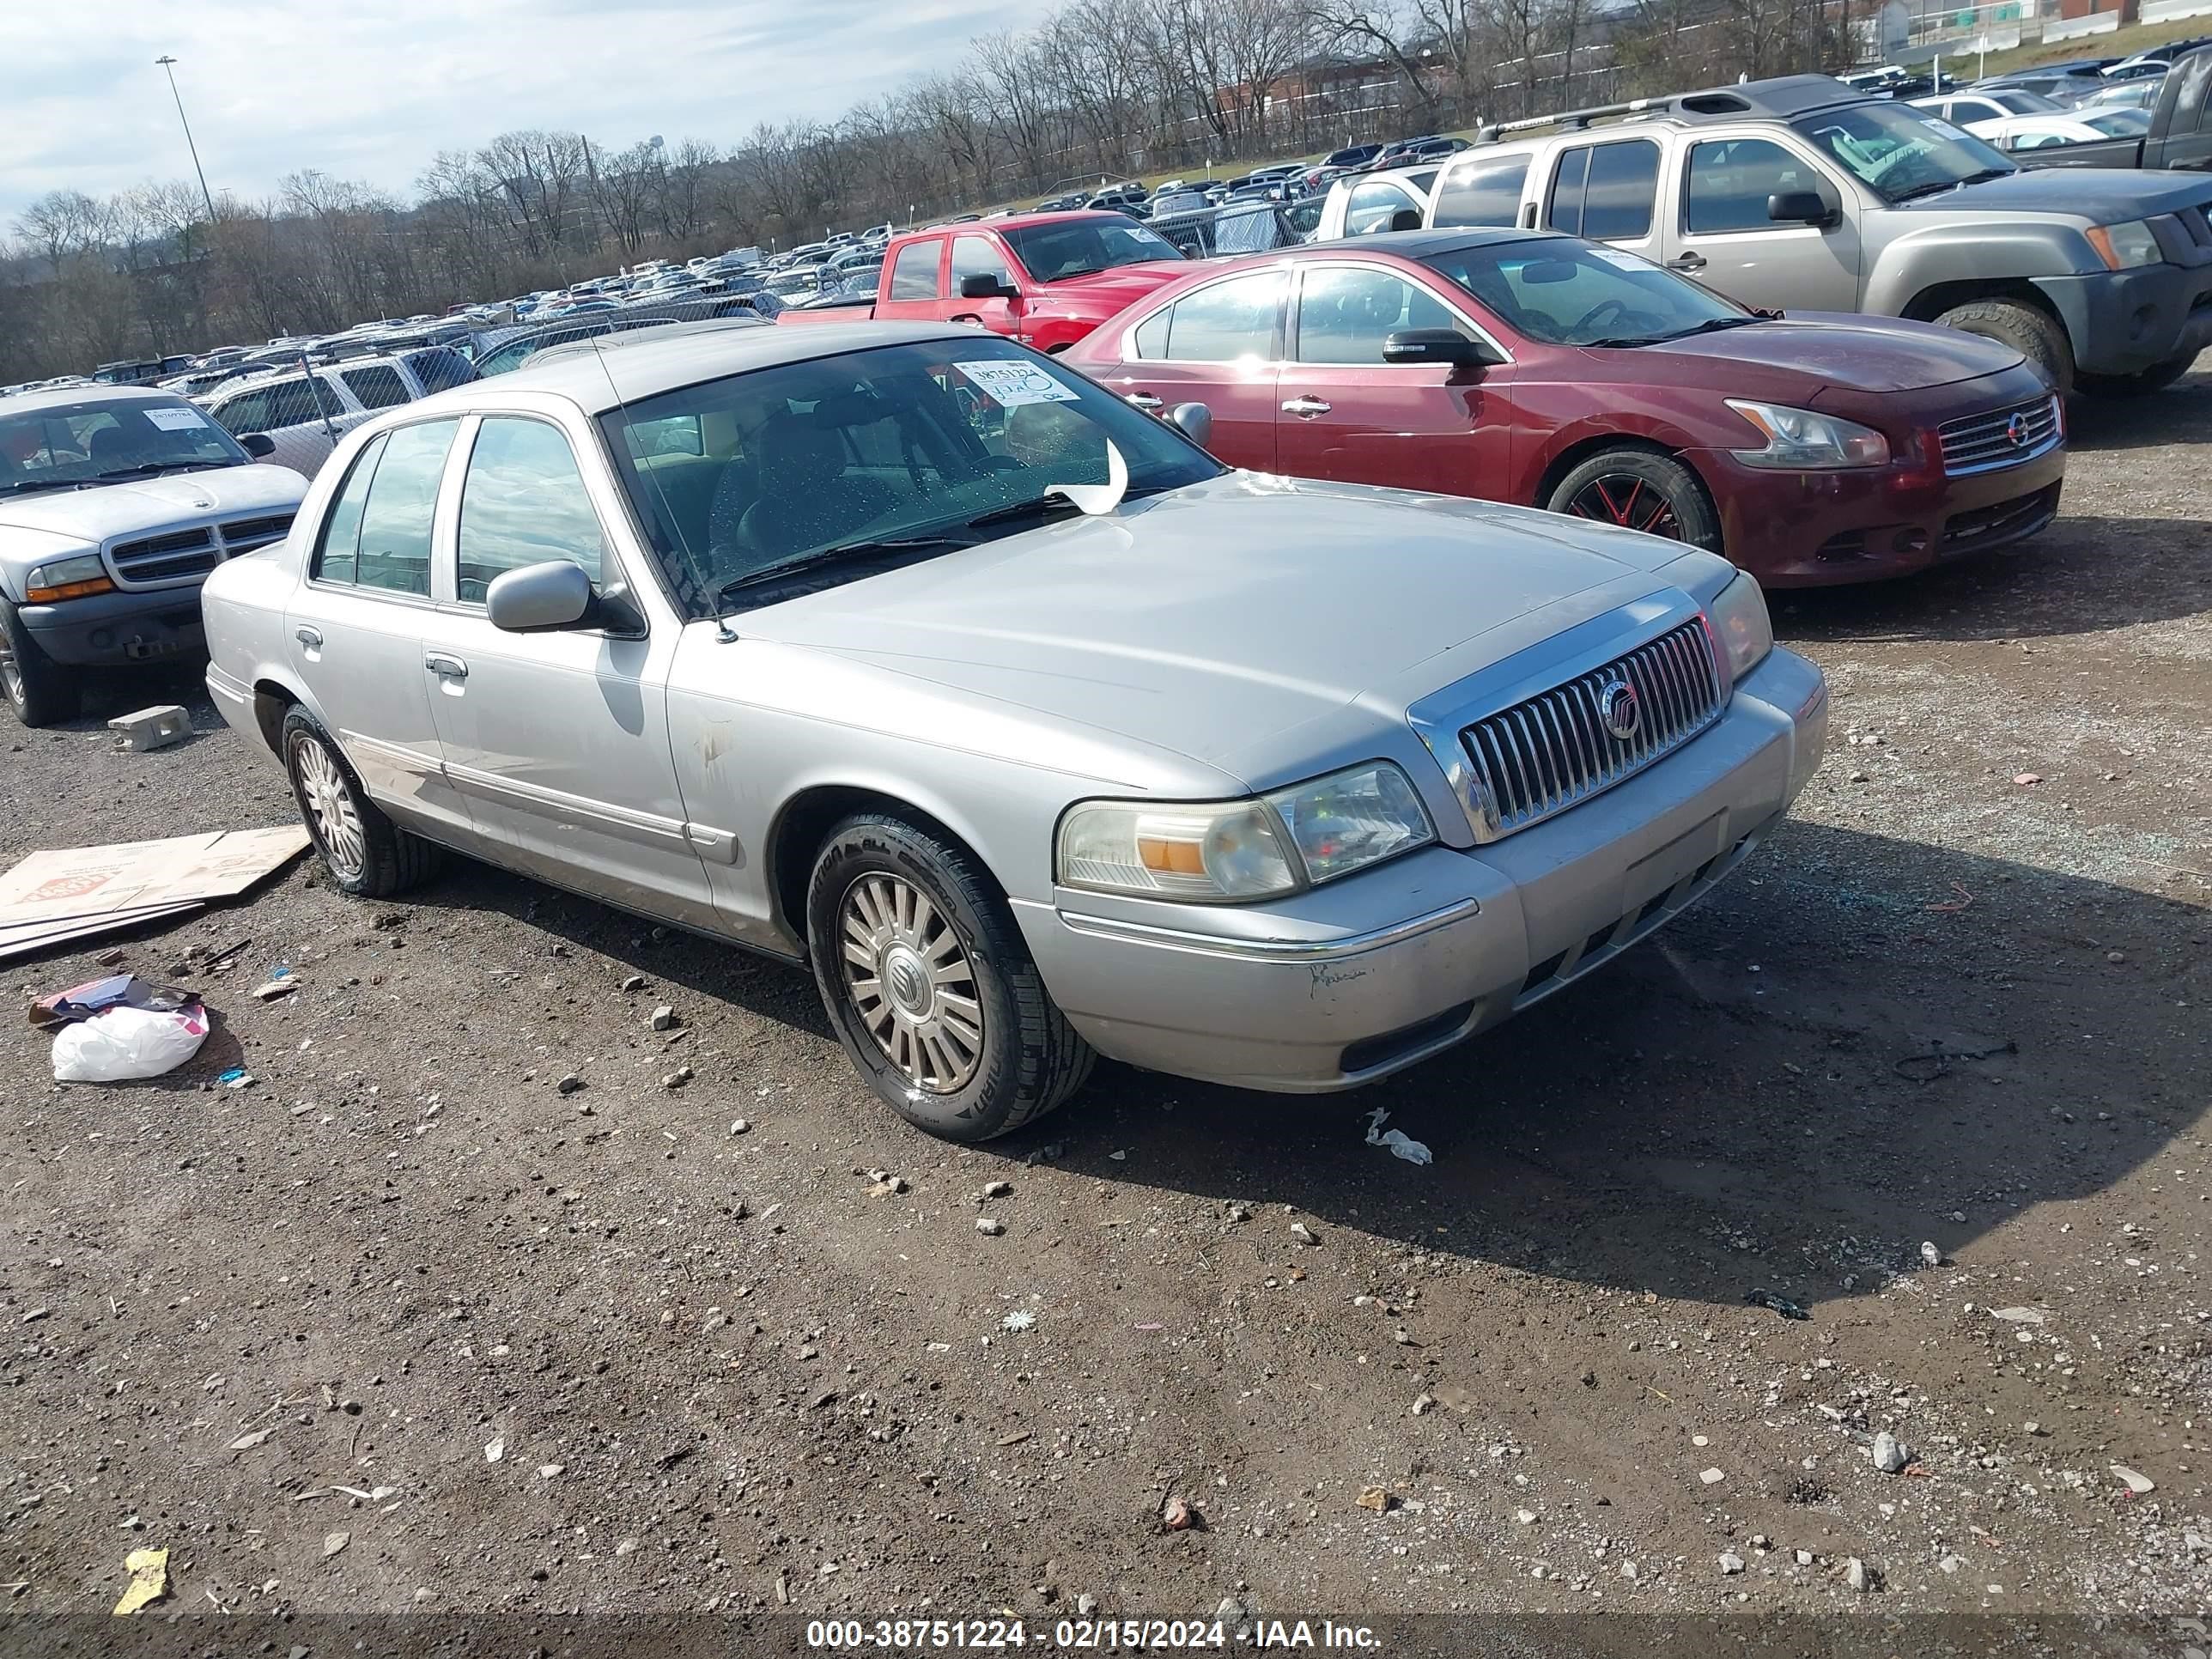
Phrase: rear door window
(375, 385)
(1372, 207)
(914, 275)
(402, 500)
(1605, 191)
(1228, 320)
(1483, 193)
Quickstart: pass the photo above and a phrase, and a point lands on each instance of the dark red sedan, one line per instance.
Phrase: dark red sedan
(1540, 369)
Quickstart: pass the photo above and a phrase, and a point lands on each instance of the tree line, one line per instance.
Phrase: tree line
(1101, 88)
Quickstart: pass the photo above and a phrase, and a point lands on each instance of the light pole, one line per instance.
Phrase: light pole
(168, 67)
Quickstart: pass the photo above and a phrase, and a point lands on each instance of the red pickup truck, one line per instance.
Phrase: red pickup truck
(1046, 279)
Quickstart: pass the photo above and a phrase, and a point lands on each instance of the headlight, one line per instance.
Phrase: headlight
(2125, 247)
(72, 578)
(1216, 852)
(1746, 634)
(1798, 439)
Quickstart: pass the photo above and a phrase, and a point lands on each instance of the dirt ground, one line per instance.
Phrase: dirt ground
(607, 1353)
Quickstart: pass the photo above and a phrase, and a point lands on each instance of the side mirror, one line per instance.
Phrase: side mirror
(1405, 219)
(1195, 422)
(1799, 207)
(541, 598)
(1439, 346)
(259, 445)
(987, 285)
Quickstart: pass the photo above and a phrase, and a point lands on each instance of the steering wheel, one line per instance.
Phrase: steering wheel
(1609, 308)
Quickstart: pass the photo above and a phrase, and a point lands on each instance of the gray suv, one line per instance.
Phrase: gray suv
(114, 505)
(1800, 193)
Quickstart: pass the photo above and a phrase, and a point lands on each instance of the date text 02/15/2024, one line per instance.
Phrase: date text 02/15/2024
(1109, 1635)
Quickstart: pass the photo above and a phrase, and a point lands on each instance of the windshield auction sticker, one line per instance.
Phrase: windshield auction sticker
(1011, 382)
(176, 420)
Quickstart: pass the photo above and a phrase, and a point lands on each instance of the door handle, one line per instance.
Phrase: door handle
(1687, 261)
(1304, 405)
(445, 668)
(310, 637)
(1141, 400)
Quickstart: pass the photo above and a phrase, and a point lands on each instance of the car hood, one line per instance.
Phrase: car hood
(1121, 286)
(1830, 349)
(92, 516)
(2102, 196)
(1249, 622)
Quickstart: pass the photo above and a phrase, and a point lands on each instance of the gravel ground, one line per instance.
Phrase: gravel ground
(656, 1349)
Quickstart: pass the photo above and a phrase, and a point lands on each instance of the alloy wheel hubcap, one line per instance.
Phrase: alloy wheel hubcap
(331, 804)
(11, 676)
(911, 982)
(1630, 501)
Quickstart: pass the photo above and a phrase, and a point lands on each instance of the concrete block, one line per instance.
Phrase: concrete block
(150, 728)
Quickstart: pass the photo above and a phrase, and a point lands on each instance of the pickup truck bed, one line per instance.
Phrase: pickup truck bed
(2177, 138)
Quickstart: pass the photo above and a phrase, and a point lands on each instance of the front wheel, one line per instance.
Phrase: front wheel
(366, 854)
(933, 992)
(1638, 490)
(2036, 334)
(41, 691)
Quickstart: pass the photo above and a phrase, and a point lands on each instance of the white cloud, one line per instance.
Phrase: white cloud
(373, 91)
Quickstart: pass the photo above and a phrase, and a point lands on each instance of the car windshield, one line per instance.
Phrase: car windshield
(66, 445)
(894, 451)
(1078, 247)
(2026, 103)
(1563, 291)
(1900, 152)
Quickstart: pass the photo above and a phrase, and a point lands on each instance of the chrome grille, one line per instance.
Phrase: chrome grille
(1983, 443)
(243, 535)
(1545, 754)
(150, 560)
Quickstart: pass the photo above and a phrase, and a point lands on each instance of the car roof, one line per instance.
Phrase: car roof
(1020, 221)
(655, 363)
(91, 392)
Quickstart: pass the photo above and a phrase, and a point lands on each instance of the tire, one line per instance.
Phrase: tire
(40, 691)
(1640, 489)
(366, 854)
(2036, 334)
(972, 1046)
(2140, 384)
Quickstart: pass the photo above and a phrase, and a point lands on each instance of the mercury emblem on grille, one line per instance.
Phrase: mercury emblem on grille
(1617, 707)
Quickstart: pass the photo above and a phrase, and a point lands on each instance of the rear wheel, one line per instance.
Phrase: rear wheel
(366, 854)
(2155, 378)
(2036, 334)
(1638, 490)
(41, 690)
(932, 990)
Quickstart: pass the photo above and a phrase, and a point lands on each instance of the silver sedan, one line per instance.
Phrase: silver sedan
(907, 655)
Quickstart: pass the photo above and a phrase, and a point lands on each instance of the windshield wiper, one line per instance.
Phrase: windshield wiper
(846, 552)
(1936, 186)
(152, 468)
(16, 486)
(1013, 510)
(1713, 325)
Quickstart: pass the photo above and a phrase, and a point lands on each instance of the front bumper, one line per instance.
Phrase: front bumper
(2122, 322)
(1820, 528)
(1356, 980)
(111, 630)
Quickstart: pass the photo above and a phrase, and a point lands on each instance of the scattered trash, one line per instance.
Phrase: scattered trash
(1401, 1145)
(374, 1495)
(247, 1442)
(2141, 1485)
(495, 1450)
(1175, 1515)
(333, 1542)
(1377, 1498)
(1890, 1454)
(59, 895)
(125, 1043)
(149, 729)
(1939, 1058)
(1781, 1304)
(96, 997)
(1120, 1157)
(1015, 1439)
(1711, 1477)
(149, 1580)
(1929, 1254)
(281, 982)
(1150, 1325)
(2018, 1316)
(635, 982)
(237, 1077)
(1020, 1320)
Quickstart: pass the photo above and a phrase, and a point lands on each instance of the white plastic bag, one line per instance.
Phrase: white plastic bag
(125, 1043)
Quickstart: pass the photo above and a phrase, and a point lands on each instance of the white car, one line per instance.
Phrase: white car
(1361, 203)
(2079, 126)
(1976, 106)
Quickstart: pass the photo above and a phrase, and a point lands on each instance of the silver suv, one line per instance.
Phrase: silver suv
(1800, 193)
(114, 505)
(302, 413)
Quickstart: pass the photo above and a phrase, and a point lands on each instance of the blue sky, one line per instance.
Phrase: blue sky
(372, 89)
